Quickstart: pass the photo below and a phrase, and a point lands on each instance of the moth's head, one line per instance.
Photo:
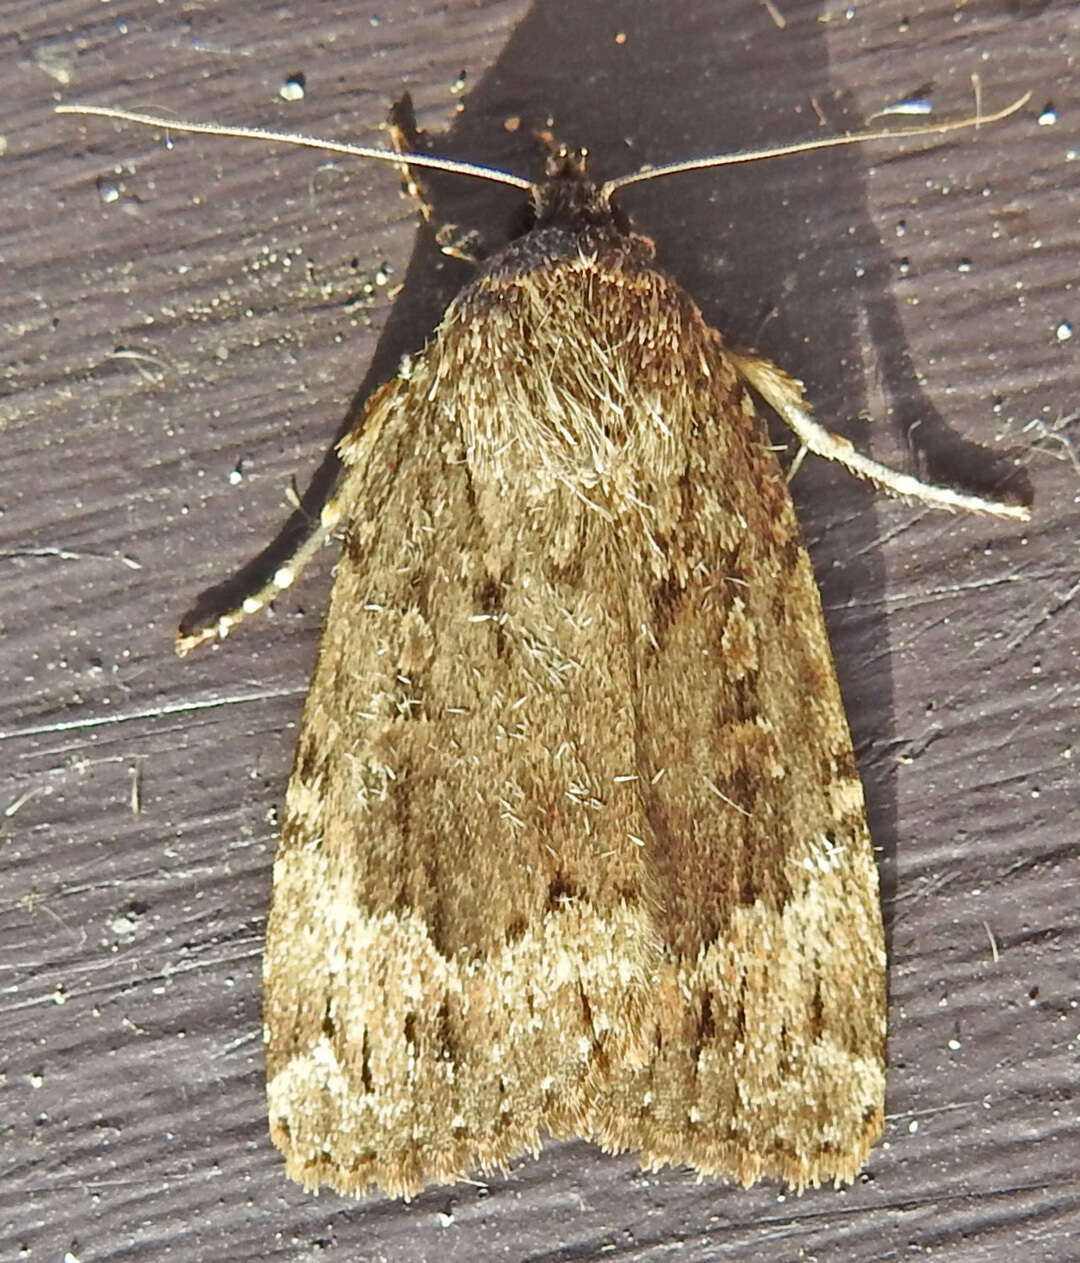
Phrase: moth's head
(567, 198)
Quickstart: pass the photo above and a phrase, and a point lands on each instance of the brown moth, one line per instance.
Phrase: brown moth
(575, 841)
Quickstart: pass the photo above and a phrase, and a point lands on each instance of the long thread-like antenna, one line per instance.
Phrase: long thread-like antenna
(517, 181)
(804, 146)
(308, 142)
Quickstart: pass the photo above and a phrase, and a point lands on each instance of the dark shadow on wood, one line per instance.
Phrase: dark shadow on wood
(765, 248)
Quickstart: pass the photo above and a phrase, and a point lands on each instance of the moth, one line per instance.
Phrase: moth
(575, 842)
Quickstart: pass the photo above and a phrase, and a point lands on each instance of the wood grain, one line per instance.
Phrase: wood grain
(134, 1117)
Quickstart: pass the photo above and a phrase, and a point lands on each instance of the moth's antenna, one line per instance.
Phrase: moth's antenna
(804, 146)
(308, 142)
(517, 181)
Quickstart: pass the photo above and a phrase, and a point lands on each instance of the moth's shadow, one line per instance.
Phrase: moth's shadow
(767, 249)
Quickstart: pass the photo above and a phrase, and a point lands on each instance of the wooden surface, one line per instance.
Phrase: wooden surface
(184, 331)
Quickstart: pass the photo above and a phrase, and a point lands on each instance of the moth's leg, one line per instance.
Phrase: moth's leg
(325, 504)
(785, 395)
(249, 591)
(406, 137)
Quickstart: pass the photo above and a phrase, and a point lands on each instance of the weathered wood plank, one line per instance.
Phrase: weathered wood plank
(133, 1111)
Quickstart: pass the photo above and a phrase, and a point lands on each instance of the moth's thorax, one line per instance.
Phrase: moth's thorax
(582, 375)
(544, 249)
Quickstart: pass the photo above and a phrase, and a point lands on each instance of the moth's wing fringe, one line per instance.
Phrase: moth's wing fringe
(575, 841)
